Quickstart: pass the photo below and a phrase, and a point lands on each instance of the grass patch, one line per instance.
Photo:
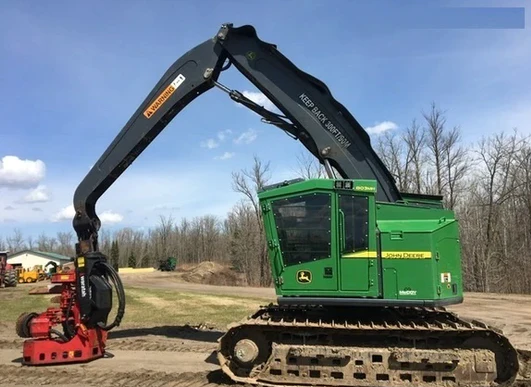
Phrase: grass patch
(168, 307)
(15, 301)
(146, 307)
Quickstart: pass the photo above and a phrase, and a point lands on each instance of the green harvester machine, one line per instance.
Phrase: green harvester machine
(362, 271)
(361, 286)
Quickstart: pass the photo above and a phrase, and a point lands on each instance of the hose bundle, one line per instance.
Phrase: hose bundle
(117, 282)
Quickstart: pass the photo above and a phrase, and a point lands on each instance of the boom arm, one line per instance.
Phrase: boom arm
(311, 115)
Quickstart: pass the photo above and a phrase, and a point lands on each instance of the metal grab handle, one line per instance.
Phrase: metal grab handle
(342, 230)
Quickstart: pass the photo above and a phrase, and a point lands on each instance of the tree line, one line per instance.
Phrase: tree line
(487, 183)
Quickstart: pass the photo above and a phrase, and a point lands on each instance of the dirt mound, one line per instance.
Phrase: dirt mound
(186, 267)
(213, 273)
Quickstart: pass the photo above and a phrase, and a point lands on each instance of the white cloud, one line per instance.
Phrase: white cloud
(381, 127)
(38, 195)
(147, 186)
(18, 173)
(150, 189)
(210, 144)
(260, 99)
(225, 156)
(223, 134)
(109, 217)
(166, 207)
(246, 137)
(67, 213)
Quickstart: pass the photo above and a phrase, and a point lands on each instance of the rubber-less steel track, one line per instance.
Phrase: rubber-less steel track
(415, 347)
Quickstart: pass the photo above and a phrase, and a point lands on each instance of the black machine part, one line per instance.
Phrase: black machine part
(310, 114)
(94, 291)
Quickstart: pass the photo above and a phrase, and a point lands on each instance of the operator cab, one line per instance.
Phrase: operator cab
(319, 233)
(330, 241)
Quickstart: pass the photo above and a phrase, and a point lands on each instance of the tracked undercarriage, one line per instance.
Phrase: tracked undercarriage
(366, 347)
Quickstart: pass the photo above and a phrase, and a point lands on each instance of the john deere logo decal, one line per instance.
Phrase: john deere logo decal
(304, 276)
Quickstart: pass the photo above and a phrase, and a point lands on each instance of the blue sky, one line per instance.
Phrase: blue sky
(72, 74)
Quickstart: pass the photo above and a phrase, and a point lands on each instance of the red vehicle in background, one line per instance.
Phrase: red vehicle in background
(8, 275)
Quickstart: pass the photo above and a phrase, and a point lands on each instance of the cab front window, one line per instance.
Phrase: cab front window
(303, 227)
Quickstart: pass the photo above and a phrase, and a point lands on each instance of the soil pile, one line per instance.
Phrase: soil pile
(213, 273)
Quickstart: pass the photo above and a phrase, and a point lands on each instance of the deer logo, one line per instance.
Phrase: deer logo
(304, 276)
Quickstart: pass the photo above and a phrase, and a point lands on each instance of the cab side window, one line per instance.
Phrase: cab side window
(356, 222)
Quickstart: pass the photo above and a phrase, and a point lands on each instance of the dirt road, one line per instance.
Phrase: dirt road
(126, 368)
(168, 280)
(182, 356)
(511, 313)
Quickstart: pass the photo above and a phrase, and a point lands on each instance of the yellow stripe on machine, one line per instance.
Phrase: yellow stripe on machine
(361, 254)
(390, 254)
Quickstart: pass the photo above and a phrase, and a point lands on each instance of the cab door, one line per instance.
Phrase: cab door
(358, 258)
(304, 231)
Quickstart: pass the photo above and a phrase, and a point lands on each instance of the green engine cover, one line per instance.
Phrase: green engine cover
(330, 241)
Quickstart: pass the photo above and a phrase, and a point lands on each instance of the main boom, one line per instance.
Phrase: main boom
(311, 115)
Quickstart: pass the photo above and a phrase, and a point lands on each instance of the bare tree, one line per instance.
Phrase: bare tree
(245, 243)
(66, 243)
(495, 187)
(164, 231)
(308, 167)
(435, 122)
(42, 243)
(248, 182)
(456, 165)
(16, 241)
(29, 242)
(414, 139)
(395, 156)
(52, 243)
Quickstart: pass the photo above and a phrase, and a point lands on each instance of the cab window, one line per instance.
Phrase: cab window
(356, 222)
(303, 227)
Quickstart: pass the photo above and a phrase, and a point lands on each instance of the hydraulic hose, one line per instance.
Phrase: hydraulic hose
(69, 329)
(117, 282)
(63, 338)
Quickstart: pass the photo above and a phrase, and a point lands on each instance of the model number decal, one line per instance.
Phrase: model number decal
(407, 292)
(364, 188)
(317, 112)
(164, 96)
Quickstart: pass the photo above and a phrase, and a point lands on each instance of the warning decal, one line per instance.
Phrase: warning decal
(164, 96)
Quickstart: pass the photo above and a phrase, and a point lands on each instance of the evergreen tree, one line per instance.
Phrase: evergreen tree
(115, 253)
(132, 260)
